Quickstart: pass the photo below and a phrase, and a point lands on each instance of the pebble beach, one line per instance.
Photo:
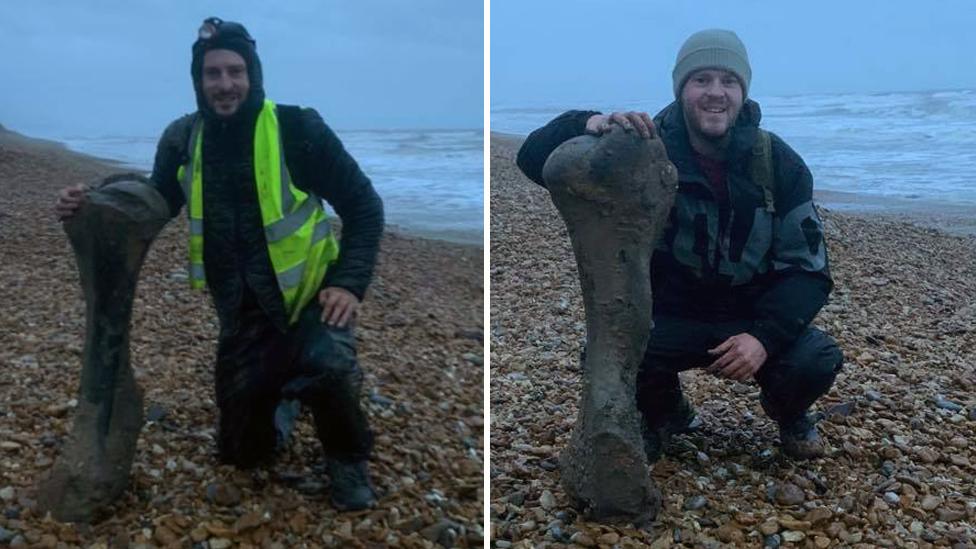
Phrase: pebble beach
(420, 347)
(900, 420)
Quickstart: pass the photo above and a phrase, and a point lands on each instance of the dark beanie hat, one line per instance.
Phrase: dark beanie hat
(216, 34)
(712, 49)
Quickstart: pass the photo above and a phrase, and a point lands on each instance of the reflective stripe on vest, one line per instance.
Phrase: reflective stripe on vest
(300, 240)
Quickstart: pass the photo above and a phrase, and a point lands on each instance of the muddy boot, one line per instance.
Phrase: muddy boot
(684, 419)
(801, 440)
(351, 489)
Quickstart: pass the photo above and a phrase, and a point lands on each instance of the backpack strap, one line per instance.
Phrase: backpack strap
(761, 168)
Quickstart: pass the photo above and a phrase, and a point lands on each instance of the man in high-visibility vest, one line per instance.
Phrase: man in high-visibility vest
(252, 175)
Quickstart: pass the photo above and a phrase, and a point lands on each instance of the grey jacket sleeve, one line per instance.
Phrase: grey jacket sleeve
(539, 144)
(331, 173)
(801, 278)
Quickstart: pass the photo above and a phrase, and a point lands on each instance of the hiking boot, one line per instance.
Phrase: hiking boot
(801, 440)
(351, 489)
(684, 419)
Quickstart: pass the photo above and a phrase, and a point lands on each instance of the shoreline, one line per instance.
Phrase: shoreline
(456, 237)
(958, 220)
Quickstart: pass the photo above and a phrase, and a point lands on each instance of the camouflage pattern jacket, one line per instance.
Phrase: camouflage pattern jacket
(768, 267)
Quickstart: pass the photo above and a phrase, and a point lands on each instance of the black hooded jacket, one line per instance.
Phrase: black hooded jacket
(770, 268)
(236, 256)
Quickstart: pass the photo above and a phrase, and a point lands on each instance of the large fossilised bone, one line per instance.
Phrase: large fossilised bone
(110, 234)
(614, 192)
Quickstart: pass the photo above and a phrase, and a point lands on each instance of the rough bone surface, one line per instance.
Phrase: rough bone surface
(110, 235)
(615, 193)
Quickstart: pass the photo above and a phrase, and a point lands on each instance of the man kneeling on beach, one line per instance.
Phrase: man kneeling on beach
(250, 174)
(741, 269)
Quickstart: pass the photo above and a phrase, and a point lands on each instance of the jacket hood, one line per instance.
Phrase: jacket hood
(228, 35)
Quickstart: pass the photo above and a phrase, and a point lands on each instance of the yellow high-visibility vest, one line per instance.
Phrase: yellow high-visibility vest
(301, 243)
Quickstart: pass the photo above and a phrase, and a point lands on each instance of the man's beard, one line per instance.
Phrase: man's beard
(718, 141)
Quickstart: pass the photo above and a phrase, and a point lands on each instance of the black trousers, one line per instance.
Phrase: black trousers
(258, 367)
(789, 382)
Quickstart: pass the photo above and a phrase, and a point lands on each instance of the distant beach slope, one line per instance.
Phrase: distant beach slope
(906, 154)
(420, 348)
(901, 417)
(951, 218)
(431, 180)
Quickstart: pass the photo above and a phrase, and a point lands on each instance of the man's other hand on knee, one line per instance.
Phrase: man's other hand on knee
(738, 357)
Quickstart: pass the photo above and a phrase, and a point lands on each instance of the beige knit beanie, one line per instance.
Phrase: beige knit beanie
(712, 49)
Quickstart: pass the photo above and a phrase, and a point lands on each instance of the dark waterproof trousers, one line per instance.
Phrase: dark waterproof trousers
(790, 382)
(258, 367)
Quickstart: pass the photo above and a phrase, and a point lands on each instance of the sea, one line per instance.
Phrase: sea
(909, 146)
(431, 181)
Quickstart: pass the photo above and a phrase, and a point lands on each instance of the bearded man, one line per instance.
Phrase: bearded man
(741, 269)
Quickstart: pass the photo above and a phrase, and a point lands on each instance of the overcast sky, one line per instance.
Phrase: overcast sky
(579, 51)
(118, 67)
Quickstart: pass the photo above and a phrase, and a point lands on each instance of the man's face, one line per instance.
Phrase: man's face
(224, 80)
(711, 100)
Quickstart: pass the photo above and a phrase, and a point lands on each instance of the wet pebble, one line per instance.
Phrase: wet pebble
(892, 498)
(872, 395)
(941, 402)
(444, 532)
(793, 536)
(950, 515)
(927, 455)
(787, 493)
(155, 412)
(547, 500)
(930, 502)
(223, 494)
(568, 516)
(559, 535)
(381, 400)
(887, 468)
(49, 441)
(7, 493)
(516, 498)
(695, 503)
(580, 538)
(772, 541)
(844, 409)
(310, 487)
(6, 535)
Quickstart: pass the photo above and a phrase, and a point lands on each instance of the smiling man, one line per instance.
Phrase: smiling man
(252, 175)
(741, 270)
